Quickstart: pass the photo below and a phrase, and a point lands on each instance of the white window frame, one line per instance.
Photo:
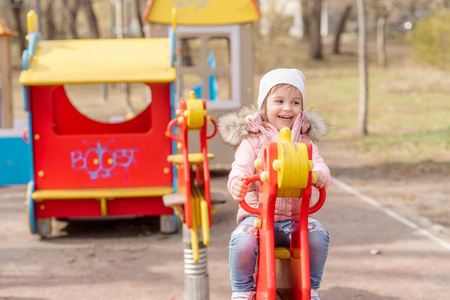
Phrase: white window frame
(235, 57)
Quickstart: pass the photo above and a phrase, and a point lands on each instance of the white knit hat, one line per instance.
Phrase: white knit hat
(290, 76)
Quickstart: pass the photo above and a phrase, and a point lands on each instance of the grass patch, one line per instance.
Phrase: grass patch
(409, 104)
(417, 145)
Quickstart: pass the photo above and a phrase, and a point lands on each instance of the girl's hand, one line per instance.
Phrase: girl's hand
(239, 188)
(321, 180)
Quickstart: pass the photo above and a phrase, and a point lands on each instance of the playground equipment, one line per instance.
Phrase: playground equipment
(13, 168)
(84, 168)
(193, 201)
(285, 172)
(204, 29)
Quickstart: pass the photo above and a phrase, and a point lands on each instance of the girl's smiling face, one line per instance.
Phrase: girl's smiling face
(283, 104)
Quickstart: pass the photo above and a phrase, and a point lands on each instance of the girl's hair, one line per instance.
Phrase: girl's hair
(263, 110)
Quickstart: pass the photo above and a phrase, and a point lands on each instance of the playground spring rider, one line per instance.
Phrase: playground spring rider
(285, 172)
(193, 200)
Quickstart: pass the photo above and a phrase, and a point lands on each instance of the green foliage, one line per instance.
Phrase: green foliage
(431, 39)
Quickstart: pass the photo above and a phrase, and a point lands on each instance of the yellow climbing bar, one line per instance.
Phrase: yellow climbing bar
(32, 21)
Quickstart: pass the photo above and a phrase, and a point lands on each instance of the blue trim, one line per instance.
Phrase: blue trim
(174, 144)
(35, 37)
(172, 46)
(25, 97)
(28, 54)
(24, 88)
(25, 59)
(30, 141)
(31, 209)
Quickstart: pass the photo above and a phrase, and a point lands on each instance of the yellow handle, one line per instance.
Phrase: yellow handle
(195, 113)
(32, 21)
(284, 136)
(174, 18)
(205, 222)
(194, 243)
(104, 206)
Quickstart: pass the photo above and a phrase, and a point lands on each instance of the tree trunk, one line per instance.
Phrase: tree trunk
(119, 19)
(91, 18)
(70, 14)
(49, 26)
(340, 29)
(137, 3)
(362, 62)
(316, 38)
(306, 20)
(17, 9)
(381, 48)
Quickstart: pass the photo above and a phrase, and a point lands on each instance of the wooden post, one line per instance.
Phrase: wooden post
(6, 112)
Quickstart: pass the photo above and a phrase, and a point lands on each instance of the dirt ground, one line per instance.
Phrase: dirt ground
(417, 191)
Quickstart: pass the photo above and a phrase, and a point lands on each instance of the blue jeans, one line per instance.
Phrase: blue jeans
(244, 250)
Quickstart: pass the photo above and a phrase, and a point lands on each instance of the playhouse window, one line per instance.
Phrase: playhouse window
(109, 103)
(224, 87)
(220, 47)
(190, 52)
(212, 56)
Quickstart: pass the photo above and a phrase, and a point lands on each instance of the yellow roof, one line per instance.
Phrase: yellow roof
(202, 12)
(100, 61)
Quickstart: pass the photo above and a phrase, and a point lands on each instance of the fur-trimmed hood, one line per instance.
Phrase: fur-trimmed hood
(237, 125)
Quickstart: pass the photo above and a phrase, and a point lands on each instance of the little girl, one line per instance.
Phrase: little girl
(281, 102)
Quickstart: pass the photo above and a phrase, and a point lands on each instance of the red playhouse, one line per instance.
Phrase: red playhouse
(84, 168)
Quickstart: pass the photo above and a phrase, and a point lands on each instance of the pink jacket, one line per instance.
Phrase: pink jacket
(246, 131)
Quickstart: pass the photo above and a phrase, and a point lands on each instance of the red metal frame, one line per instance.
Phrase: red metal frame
(202, 175)
(299, 249)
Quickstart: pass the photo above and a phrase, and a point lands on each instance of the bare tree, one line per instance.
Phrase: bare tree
(362, 62)
(137, 4)
(91, 18)
(48, 21)
(70, 17)
(383, 8)
(340, 28)
(306, 9)
(316, 38)
(17, 11)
